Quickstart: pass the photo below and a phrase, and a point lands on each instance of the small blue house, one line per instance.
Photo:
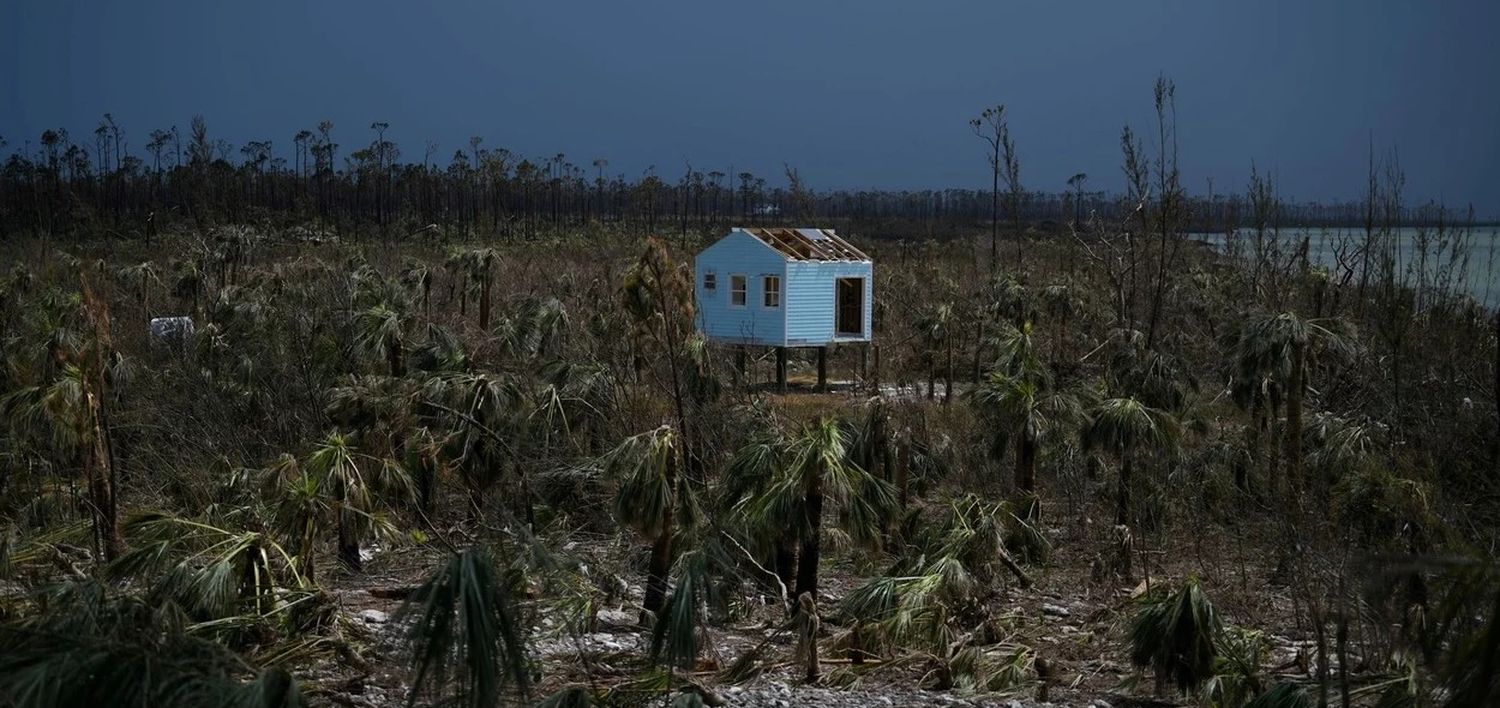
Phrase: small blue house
(779, 287)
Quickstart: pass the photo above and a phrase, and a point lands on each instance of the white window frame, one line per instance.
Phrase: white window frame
(738, 296)
(710, 282)
(767, 293)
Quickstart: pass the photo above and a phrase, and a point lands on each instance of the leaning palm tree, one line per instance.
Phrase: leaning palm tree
(1125, 427)
(1282, 348)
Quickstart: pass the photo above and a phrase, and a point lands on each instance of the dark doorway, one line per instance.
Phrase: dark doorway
(849, 307)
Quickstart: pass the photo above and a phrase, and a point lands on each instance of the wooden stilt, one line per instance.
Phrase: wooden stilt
(781, 369)
(740, 365)
(823, 369)
(864, 365)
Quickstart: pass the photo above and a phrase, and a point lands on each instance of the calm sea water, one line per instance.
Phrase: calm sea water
(1462, 260)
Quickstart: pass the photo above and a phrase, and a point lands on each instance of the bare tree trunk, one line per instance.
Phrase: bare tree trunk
(807, 562)
(995, 210)
(1320, 634)
(903, 473)
(484, 293)
(348, 546)
(1295, 483)
(786, 560)
(1122, 497)
(978, 348)
(660, 568)
(394, 359)
(948, 375)
(1026, 466)
(101, 490)
(807, 635)
(1342, 637)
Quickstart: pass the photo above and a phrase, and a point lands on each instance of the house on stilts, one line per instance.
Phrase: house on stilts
(785, 288)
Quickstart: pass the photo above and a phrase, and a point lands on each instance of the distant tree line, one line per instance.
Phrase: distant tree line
(60, 185)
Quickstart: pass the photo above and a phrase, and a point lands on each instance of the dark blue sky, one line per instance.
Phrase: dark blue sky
(871, 93)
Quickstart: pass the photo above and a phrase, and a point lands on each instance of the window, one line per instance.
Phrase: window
(773, 290)
(710, 281)
(737, 290)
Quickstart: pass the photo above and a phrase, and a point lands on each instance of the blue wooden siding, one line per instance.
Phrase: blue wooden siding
(810, 296)
(740, 254)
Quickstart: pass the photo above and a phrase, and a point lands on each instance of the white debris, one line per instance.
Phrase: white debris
(174, 330)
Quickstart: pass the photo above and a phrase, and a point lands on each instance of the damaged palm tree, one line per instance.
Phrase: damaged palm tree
(1127, 428)
(1022, 405)
(816, 468)
(1174, 634)
(938, 590)
(658, 296)
(1281, 349)
(653, 500)
(336, 486)
(466, 645)
(71, 407)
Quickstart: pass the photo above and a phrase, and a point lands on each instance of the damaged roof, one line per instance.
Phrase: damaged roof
(808, 244)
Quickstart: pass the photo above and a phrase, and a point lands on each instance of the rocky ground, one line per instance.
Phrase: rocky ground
(1071, 618)
(1076, 623)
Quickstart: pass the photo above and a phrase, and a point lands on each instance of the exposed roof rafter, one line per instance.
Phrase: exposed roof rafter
(808, 244)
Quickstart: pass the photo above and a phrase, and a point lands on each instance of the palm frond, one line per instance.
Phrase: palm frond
(83, 647)
(675, 636)
(1174, 635)
(1283, 695)
(464, 641)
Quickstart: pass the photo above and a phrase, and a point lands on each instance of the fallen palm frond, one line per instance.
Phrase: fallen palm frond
(970, 669)
(675, 639)
(211, 572)
(1283, 695)
(570, 697)
(1236, 668)
(40, 551)
(83, 647)
(891, 612)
